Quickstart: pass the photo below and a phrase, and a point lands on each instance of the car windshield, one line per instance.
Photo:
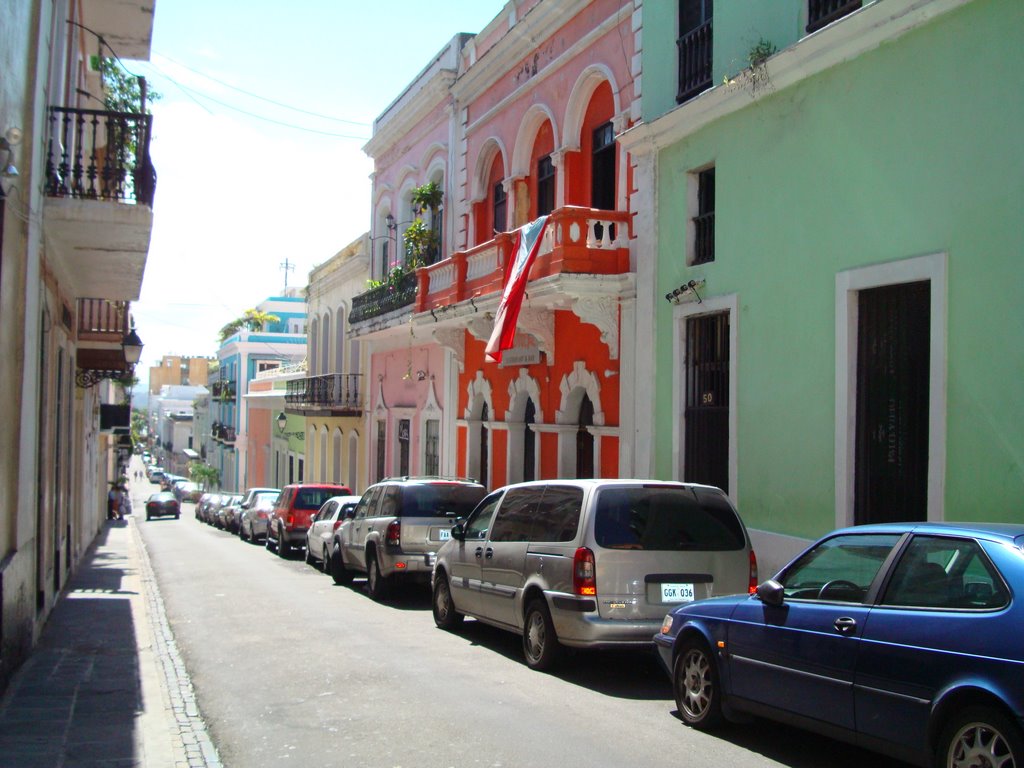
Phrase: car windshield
(438, 500)
(666, 518)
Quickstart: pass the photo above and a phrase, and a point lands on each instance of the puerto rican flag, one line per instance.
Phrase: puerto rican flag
(528, 239)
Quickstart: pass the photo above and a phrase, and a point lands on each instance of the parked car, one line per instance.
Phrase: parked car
(292, 511)
(590, 563)
(155, 474)
(188, 491)
(162, 503)
(248, 498)
(397, 529)
(902, 638)
(168, 480)
(322, 527)
(229, 515)
(253, 526)
(219, 516)
(206, 501)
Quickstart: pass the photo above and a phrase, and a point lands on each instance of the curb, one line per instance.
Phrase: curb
(190, 735)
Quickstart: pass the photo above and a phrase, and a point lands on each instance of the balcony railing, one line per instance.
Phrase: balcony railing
(97, 155)
(223, 390)
(336, 391)
(222, 432)
(694, 62)
(102, 320)
(384, 298)
(576, 240)
(821, 13)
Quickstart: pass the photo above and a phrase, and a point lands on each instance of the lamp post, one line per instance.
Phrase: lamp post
(282, 421)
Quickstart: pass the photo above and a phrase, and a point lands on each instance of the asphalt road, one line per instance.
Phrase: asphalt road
(290, 669)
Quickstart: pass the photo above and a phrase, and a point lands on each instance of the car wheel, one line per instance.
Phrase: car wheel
(284, 549)
(148, 518)
(177, 516)
(267, 541)
(445, 615)
(540, 643)
(980, 736)
(695, 684)
(375, 583)
(310, 560)
(339, 572)
(325, 561)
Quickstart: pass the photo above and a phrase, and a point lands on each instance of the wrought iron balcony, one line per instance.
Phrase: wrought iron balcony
(223, 390)
(695, 62)
(97, 155)
(222, 433)
(384, 298)
(333, 391)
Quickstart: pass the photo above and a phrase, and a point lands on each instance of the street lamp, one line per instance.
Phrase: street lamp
(282, 421)
(132, 346)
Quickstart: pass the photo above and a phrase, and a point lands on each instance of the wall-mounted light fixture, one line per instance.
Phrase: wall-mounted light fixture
(8, 141)
(681, 293)
(390, 223)
(282, 421)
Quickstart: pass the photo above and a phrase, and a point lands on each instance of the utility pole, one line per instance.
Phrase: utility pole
(286, 266)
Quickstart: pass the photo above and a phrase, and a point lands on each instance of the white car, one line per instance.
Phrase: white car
(318, 538)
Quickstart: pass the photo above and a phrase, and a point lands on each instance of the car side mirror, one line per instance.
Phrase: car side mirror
(771, 593)
(459, 532)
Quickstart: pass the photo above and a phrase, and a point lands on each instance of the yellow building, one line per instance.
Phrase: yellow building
(175, 370)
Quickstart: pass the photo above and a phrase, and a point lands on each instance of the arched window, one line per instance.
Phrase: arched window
(529, 441)
(339, 341)
(485, 416)
(542, 169)
(585, 440)
(336, 464)
(314, 337)
(325, 344)
(323, 455)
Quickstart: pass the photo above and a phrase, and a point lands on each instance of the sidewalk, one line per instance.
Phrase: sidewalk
(105, 686)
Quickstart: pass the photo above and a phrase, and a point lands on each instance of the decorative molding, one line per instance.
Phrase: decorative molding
(540, 323)
(579, 378)
(479, 388)
(455, 340)
(519, 389)
(603, 313)
(480, 328)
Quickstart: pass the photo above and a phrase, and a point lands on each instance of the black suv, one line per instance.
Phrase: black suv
(397, 528)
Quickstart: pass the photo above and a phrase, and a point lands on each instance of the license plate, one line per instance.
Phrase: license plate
(444, 534)
(677, 593)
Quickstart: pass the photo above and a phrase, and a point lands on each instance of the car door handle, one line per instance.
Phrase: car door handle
(845, 625)
(479, 552)
(489, 553)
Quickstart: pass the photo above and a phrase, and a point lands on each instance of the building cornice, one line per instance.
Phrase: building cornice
(842, 41)
(410, 114)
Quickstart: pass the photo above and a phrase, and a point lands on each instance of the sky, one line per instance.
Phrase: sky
(257, 143)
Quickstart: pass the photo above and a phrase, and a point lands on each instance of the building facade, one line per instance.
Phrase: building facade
(175, 370)
(834, 209)
(73, 246)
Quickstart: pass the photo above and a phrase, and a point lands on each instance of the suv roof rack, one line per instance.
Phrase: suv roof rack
(414, 478)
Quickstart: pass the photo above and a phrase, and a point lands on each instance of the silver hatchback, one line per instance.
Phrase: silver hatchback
(590, 563)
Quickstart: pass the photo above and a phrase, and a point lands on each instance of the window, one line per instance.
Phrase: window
(500, 208)
(403, 447)
(666, 519)
(840, 568)
(704, 221)
(545, 186)
(937, 572)
(821, 13)
(478, 524)
(529, 441)
(558, 514)
(602, 180)
(695, 47)
(431, 459)
(381, 448)
(516, 517)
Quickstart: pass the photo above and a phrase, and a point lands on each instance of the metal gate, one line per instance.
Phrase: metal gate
(706, 436)
(893, 362)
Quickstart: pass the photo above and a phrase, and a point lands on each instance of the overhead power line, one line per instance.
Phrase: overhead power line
(262, 98)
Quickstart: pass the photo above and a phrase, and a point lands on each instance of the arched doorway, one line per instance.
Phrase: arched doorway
(485, 416)
(529, 441)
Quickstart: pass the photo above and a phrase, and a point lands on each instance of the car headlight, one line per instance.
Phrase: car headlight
(666, 624)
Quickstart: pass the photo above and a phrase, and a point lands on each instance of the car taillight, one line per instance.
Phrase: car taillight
(290, 520)
(752, 585)
(584, 578)
(393, 535)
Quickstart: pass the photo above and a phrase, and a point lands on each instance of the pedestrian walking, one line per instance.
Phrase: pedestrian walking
(113, 502)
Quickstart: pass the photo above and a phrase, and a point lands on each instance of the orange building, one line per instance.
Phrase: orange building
(175, 370)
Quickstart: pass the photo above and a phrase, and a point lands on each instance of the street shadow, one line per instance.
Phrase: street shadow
(795, 747)
(400, 597)
(82, 681)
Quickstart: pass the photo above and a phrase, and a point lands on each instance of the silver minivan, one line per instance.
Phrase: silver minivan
(590, 563)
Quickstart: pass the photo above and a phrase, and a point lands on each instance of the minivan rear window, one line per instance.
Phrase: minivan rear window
(439, 500)
(666, 518)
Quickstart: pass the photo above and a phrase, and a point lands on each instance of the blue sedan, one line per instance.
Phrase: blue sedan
(903, 638)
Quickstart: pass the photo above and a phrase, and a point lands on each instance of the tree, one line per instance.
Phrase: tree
(423, 241)
(251, 319)
(121, 90)
(203, 474)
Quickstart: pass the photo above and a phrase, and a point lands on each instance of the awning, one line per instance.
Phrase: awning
(190, 453)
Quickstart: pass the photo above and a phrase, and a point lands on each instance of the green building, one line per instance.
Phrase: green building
(833, 279)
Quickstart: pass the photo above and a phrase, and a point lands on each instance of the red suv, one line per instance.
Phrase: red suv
(290, 518)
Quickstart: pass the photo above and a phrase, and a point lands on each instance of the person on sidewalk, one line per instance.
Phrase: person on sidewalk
(114, 502)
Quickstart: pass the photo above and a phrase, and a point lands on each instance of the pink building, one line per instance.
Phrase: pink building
(514, 123)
